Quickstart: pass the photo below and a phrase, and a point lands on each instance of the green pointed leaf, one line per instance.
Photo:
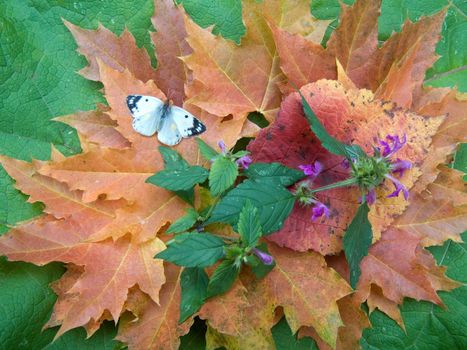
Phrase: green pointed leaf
(222, 175)
(284, 339)
(274, 171)
(172, 159)
(185, 222)
(193, 250)
(194, 284)
(179, 179)
(273, 201)
(223, 278)
(357, 241)
(196, 338)
(327, 141)
(207, 151)
(249, 226)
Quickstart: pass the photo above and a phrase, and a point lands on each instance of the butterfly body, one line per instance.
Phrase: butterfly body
(172, 123)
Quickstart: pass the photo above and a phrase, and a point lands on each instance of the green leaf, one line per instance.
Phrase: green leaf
(327, 141)
(327, 9)
(225, 15)
(357, 241)
(273, 201)
(179, 179)
(196, 338)
(259, 269)
(249, 227)
(36, 85)
(207, 151)
(428, 326)
(172, 159)
(223, 278)
(194, 284)
(26, 304)
(193, 250)
(274, 171)
(222, 175)
(185, 222)
(284, 339)
(13, 205)
(460, 158)
(76, 338)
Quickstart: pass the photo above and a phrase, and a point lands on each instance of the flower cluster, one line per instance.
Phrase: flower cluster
(304, 193)
(243, 161)
(366, 172)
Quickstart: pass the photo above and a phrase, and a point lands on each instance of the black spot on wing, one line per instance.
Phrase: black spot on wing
(132, 101)
(197, 128)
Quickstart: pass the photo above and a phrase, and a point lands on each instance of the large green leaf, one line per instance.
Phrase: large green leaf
(13, 206)
(225, 15)
(429, 327)
(26, 303)
(274, 203)
(103, 339)
(38, 68)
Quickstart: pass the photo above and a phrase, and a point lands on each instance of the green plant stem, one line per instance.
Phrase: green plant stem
(228, 238)
(343, 183)
(214, 202)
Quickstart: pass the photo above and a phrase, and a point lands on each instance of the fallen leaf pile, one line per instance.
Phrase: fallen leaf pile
(104, 221)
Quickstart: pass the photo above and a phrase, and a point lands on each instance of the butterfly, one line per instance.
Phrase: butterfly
(172, 123)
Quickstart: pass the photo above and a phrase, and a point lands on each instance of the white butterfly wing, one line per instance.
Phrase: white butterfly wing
(169, 133)
(187, 124)
(146, 112)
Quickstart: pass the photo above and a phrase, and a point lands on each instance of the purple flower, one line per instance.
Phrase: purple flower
(399, 166)
(221, 145)
(311, 170)
(244, 162)
(399, 187)
(265, 258)
(392, 145)
(371, 196)
(319, 210)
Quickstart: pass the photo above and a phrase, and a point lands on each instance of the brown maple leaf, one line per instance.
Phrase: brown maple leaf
(155, 326)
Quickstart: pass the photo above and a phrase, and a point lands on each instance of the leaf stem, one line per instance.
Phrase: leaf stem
(214, 202)
(343, 183)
